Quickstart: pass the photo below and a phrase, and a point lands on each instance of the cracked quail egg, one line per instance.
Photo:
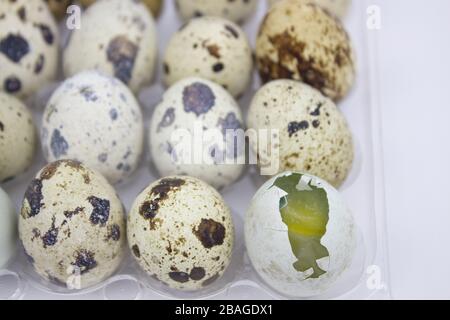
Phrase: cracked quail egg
(337, 7)
(312, 133)
(154, 6)
(301, 41)
(95, 119)
(28, 46)
(213, 48)
(72, 225)
(118, 37)
(181, 232)
(300, 235)
(237, 11)
(195, 130)
(7, 229)
(59, 7)
(17, 137)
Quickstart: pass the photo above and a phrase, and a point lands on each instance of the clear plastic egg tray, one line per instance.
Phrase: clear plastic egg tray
(368, 277)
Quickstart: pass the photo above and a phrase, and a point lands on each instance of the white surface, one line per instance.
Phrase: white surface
(414, 63)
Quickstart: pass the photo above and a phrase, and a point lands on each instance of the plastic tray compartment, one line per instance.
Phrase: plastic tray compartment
(367, 278)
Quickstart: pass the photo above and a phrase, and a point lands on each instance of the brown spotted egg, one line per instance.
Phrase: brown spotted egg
(154, 6)
(302, 41)
(72, 225)
(181, 232)
(95, 119)
(28, 46)
(235, 10)
(196, 131)
(17, 137)
(213, 48)
(118, 37)
(337, 7)
(309, 133)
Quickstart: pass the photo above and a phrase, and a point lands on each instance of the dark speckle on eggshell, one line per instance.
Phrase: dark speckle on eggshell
(136, 251)
(122, 53)
(14, 47)
(12, 85)
(58, 144)
(149, 209)
(85, 261)
(181, 277)
(198, 98)
(47, 33)
(114, 232)
(34, 197)
(210, 233)
(197, 273)
(100, 212)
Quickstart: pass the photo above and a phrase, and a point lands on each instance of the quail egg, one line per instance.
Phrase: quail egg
(308, 45)
(7, 229)
(212, 48)
(59, 7)
(196, 130)
(118, 37)
(181, 232)
(28, 46)
(95, 119)
(309, 133)
(300, 235)
(72, 225)
(154, 6)
(17, 137)
(337, 7)
(237, 11)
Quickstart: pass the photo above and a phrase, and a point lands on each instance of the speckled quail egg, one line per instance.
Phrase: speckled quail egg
(28, 46)
(300, 235)
(337, 7)
(238, 11)
(59, 7)
(95, 119)
(195, 130)
(181, 232)
(17, 137)
(212, 48)
(72, 225)
(302, 41)
(154, 6)
(118, 37)
(8, 235)
(310, 133)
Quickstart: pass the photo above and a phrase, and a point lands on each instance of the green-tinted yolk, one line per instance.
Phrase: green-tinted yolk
(305, 211)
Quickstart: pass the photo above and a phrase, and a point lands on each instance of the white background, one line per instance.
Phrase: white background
(414, 45)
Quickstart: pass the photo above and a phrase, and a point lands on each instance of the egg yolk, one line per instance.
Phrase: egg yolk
(305, 211)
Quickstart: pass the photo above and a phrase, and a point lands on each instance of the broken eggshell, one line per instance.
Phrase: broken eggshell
(180, 232)
(72, 224)
(300, 235)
